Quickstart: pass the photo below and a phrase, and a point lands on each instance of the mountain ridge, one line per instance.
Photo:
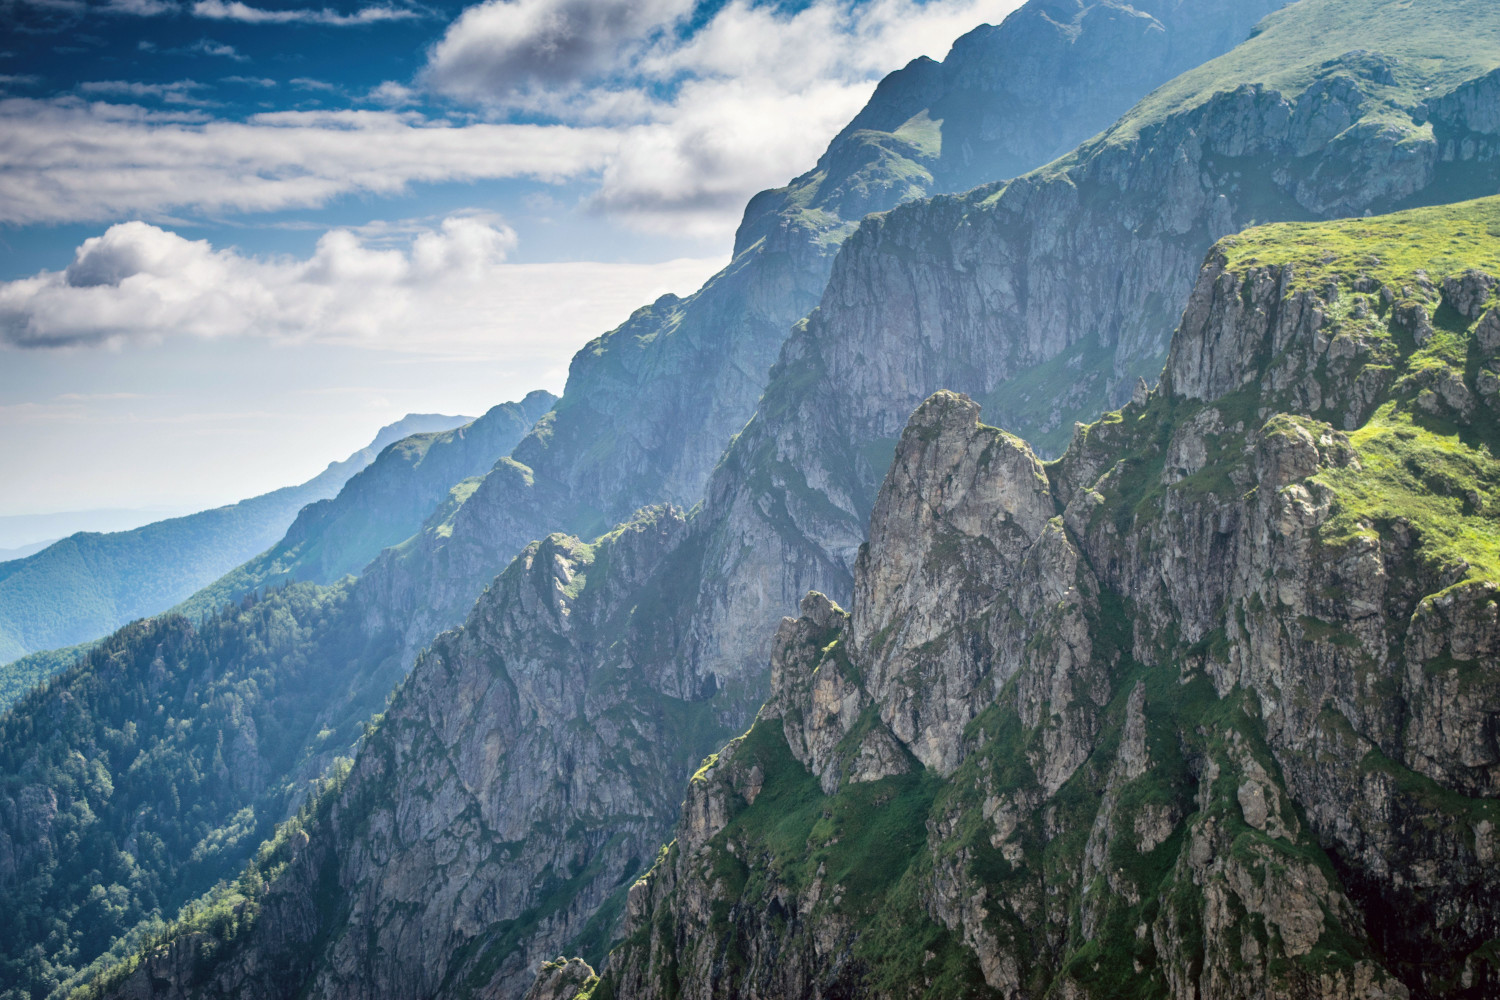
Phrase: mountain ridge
(1131, 723)
(88, 584)
(381, 506)
(713, 661)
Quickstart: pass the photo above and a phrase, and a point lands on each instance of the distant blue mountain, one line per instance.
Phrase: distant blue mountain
(89, 584)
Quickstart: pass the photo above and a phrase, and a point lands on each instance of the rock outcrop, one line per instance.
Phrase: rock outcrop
(1203, 709)
(1060, 284)
(1052, 297)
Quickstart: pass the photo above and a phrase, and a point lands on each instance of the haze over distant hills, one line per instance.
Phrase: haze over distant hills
(90, 583)
(19, 531)
(23, 551)
(758, 666)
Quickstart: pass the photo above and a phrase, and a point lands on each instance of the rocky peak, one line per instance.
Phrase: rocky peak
(962, 509)
(1242, 754)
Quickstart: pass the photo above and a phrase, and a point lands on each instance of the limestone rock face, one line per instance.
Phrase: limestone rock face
(1202, 710)
(965, 527)
(1050, 298)
(1044, 298)
(522, 776)
(650, 407)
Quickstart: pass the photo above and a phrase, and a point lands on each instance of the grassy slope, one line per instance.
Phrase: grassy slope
(1431, 46)
(1438, 44)
(870, 843)
(1413, 464)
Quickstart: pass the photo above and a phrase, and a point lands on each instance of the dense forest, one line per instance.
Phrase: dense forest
(109, 803)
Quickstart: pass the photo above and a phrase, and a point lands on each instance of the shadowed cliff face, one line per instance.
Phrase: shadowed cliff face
(1048, 298)
(1203, 709)
(651, 403)
(650, 407)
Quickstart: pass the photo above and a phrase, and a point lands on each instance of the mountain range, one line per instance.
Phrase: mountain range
(1181, 685)
(89, 584)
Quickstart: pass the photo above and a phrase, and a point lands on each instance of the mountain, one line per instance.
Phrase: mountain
(650, 406)
(497, 815)
(115, 810)
(383, 505)
(1201, 709)
(432, 580)
(1050, 297)
(21, 552)
(264, 693)
(88, 585)
(18, 530)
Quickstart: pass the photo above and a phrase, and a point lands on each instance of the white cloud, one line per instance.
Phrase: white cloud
(68, 160)
(391, 94)
(209, 47)
(437, 290)
(678, 130)
(500, 47)
(235, 10)
(744, 102)
(180, 92)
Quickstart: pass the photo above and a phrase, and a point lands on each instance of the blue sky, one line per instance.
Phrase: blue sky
(236, 237)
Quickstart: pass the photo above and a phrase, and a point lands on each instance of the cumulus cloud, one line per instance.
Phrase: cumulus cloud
(68, 160)
(677, 120)
(707, 115)
(500, 47)
(437, 289)
(235, 10)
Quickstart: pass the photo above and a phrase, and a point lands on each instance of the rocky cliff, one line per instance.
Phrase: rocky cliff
(1050, 297)
(650, 406)
(520, 780)
(1203, 709)
(1011, 292)
(647, 412)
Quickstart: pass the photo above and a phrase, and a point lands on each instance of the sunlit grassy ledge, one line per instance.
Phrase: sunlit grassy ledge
(1419, 459)
(1423, 244)
(1424, 444)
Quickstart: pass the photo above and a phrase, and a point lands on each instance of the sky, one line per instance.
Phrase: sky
(237, 237)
